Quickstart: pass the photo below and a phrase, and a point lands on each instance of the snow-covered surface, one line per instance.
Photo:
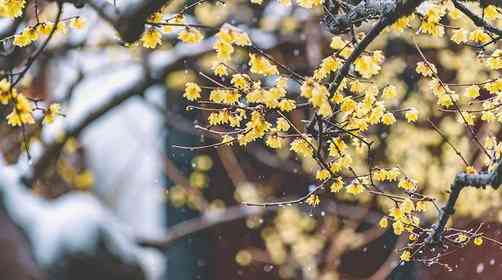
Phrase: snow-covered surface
(123, 152)
(68, 225)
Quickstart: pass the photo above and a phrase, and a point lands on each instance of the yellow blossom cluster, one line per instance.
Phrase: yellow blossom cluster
(309, 4)
(32, 33)
(404, 216)
(22, 112)
(226, 38)
(12, 8)
(22, 109)
(152, 37)
(430, 20)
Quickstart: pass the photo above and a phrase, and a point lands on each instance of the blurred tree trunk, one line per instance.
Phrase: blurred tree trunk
(16, 261)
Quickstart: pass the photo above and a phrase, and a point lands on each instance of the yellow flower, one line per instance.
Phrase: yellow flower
(366, 66)
(51, 113)
(479, 36)
(274, 142)
(431, 28)
(459, 36)
(393, 174)
(426, 70)
(22, 112)
(313, 200)
(151, 38)
(348, 105)
(490, 12)
(478, 241)
(240, 81)
(383, 223)
(322, 175)
(287, 105)
(337, 185)
(388, 119)
(336, 146)
(407, 184)
(472, 91)
(230, 96)
(223, 49)
(411, 115)
(77, 23)
(407, 206)
(325, 110)
(337, 43)
(155, 17)
(380, 175)
(84, 180)
(190, 35)
(282, 125)
(192, 91)
(355, 187)
(261, 65)
(240, 38)
(220, 70)
(302, 147)
(12, 8)
(5, 94)
(23, 39)
(494, 62)
(61, 27)
(330, 64)
(420, 206)
(285, 2)
(488, 116)
(346, 52)
(455, 13)
(45, 28)
(398, 227)
(405, 256)
(470, 170)
(389, 92)
(309, 3)
(461, 238)
(401, 23)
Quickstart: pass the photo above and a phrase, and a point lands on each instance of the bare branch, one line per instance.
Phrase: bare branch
(462, 180)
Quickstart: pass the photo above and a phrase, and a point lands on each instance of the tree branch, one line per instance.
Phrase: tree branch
(52, 152)
(477, 20)
(390, 11)
(462, 180)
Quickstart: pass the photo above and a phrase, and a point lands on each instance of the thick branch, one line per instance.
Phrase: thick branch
(388, 17)
(132, 23)
(52, 152)
(477, 20)
(462, 180)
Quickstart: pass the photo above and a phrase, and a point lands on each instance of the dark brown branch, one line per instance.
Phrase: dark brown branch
(389, 17)
(477, 20)
(132, 24)
(462, 180)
